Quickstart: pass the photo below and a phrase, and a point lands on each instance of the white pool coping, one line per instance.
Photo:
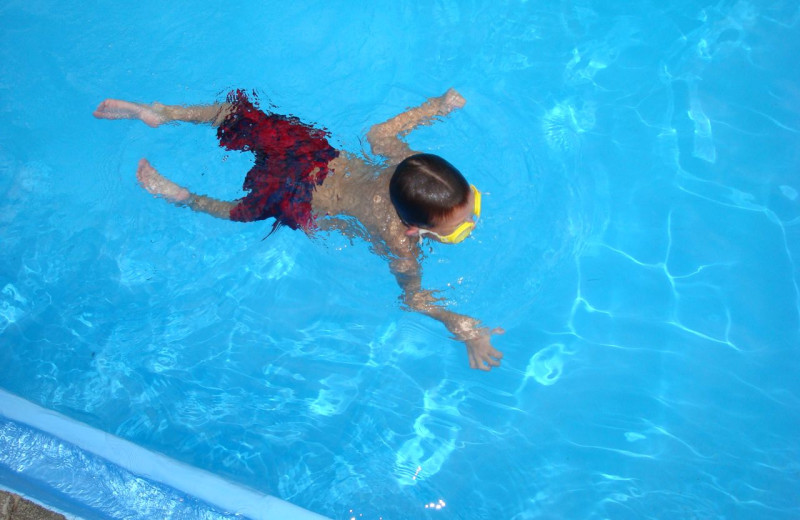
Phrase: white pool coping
(201, 484)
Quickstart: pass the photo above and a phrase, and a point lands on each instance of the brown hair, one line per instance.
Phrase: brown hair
(425, 189)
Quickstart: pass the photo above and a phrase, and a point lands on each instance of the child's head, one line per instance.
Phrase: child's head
(426, 190)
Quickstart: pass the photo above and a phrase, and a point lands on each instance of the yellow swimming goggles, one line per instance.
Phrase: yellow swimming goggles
(464, 229)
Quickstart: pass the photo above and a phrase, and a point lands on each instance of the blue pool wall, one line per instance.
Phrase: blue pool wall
(90, 474)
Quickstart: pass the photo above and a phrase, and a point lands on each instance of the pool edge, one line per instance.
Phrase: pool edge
(194, 482)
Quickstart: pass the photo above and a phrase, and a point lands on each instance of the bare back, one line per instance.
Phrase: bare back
(360, 190)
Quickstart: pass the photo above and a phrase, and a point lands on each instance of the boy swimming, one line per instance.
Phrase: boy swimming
(302, 182)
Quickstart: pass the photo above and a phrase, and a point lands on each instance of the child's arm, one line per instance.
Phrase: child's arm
(385, 138)
(482, 355)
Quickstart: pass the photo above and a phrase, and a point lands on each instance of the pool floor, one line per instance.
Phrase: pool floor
(14, 507)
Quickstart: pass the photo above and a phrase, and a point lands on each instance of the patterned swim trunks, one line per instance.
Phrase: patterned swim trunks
(291, 160)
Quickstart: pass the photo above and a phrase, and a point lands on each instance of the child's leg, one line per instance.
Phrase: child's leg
(157, 114)
(160, 186)
(214, 114)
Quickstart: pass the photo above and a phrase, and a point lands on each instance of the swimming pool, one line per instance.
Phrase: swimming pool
(638, 243)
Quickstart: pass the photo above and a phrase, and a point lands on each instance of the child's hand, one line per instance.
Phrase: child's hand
(482, 355)
(451, 100)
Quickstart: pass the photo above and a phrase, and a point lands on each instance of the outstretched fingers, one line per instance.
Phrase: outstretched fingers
(482, 355)
(491, 357)
(484, 362)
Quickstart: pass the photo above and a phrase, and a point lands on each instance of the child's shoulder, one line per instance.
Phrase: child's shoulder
(359, 189)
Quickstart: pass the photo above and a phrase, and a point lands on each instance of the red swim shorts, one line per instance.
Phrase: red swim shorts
(287, 152)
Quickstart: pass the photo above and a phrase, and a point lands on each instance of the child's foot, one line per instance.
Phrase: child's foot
(159, 185)
(452, 100)
(152, 115)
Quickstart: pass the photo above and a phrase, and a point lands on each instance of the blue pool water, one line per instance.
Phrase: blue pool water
(639, 241)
